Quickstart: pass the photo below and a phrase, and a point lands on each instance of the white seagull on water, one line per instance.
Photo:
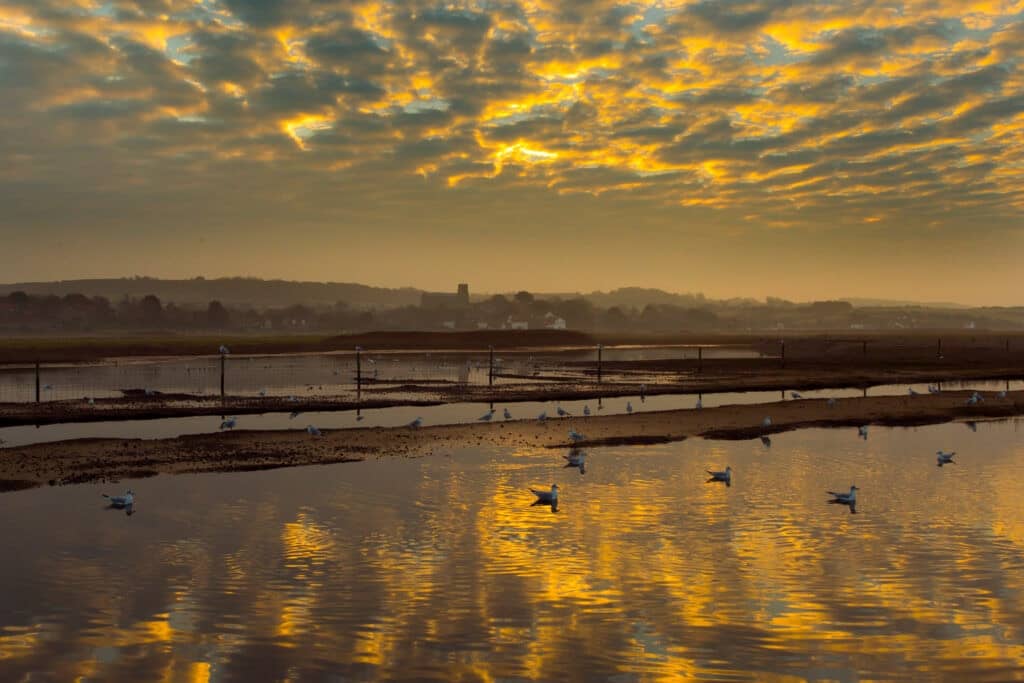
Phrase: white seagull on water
(549, 497)
(725, 475)
(124, 501)
(845, 498)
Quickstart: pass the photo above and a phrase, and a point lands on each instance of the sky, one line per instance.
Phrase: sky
(738, 147)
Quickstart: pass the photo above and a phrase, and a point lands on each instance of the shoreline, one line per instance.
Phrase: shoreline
(94, 460)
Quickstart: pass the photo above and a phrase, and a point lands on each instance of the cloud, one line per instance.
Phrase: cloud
(754, 108)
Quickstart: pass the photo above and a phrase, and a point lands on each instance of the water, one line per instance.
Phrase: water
(439, 569)
(318, 374)
(450, 413)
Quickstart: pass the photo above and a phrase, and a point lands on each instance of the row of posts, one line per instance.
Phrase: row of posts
(490, 364)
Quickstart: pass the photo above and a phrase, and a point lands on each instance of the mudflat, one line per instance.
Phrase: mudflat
(86, 460)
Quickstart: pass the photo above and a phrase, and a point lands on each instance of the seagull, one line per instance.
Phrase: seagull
(862, 431)
(700, 403)
(911, 392)
(643, 390)
(148, 392)
(312, 431)
(295, 414)
(223, 350)
(975, 399)
(548, 497)
(766, 441)
(263, 392)
(486, 417)
(944, 458)
(586, 410)
(508, 415)
(629, 407)
(973, 426)
(575, 458)
(767, 422)
(543, 416)
(845, 498)
(229, 423)
(933, 389)
(562, 412)
(725, 476)
(576, 436)
(90, 401)
(121, 501)
(292, 399)
(831, 403)
(417, 423)
(795, 394)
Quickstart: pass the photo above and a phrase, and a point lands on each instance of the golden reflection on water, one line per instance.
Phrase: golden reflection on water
(441, 568)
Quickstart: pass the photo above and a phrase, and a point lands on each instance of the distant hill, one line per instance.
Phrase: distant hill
(234, 291)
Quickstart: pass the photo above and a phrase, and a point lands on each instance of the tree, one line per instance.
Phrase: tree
(151, 309)
(216, 315)
(524, 297)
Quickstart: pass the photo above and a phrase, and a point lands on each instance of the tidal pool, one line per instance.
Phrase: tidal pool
(440, 568)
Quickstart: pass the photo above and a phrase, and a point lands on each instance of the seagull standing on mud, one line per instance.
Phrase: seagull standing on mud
(862, 431)
(508, 415)
(562, 412)
(629, 407)
(229, 423)
(586, 410)
(543, 416)
(312, 431)
(767, 422)
(944, 458)
(486, 417)
(700, 403)
(795, 395)
(575, 436)
(417, 423)
(934, 389)
(911, 392)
